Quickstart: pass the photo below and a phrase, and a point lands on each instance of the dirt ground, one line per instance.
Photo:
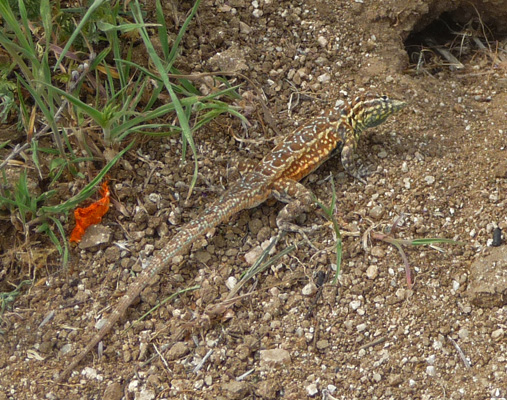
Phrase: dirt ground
(441, 171)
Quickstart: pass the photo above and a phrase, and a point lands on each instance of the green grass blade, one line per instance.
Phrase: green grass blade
(87, 191)
(96, 4)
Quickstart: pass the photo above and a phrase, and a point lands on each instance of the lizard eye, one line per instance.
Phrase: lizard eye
(384, 98)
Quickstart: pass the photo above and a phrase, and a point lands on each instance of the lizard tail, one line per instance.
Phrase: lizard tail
(213, 216)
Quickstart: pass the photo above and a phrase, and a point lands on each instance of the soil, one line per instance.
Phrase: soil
(440, 171)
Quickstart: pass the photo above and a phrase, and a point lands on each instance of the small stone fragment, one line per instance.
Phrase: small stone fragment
(309, 289)
(376, 212)
(322, 41)
(463, 333)
(488, 279)
(378, 251)
(95, 235)
(231, 282)
(322, 344)
(312, 389)
(355, 304)
(235, 390)
(178, 350)
(113, 392)
(244, 28)
(253, 255)
(268, 389)
(372, 272)
(497, 334)
(324, 78)
(274, 357)
(430, 180)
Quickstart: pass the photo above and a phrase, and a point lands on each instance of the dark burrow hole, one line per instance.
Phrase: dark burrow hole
(448, 43)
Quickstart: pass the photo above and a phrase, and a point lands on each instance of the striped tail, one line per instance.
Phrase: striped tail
(231, 202)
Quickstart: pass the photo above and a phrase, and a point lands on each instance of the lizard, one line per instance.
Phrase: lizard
(277, 175)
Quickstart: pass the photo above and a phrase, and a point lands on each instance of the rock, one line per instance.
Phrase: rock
(274, 357)
(430, 180)
(322, 344)
(235, 390)
(178, 350)
(113, 392)
(309, 290)
(372, 272)
(500, 170)
(312, 389)
(376, 212)
(95, 235)
(268, 389)
(231, 282)
(488, 279)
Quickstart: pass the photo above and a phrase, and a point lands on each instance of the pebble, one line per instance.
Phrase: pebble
(378, 251)
(253, 255)
(312, 389)
(430, 179)
(372, 272)
(355, 304)
(235, 389)
(113, 392)
(231, 282)
(497, 334)
(376, 212)
(274, 357)
(361, 327)
(309, 289)
(463, 333)
(377, 377)
(430, 370)
(178, 350)
(322, 344)
(322, 41)
(324, 78)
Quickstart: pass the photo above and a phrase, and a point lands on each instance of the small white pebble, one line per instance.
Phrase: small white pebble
(361, 327)
(355, 304)
(497, 333)
(324, 78)
(309, 289)
(430, 370)
(377, 377)
(322, 41)
(312, 390)
(429, 179)
(372, 271)
(431, 359)
(231, 282)
(463, 333)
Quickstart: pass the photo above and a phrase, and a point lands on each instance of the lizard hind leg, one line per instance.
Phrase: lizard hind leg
(299, 200)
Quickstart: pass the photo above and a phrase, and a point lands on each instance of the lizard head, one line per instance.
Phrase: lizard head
(375, 111)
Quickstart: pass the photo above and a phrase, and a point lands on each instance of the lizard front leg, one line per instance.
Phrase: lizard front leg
(347, 158)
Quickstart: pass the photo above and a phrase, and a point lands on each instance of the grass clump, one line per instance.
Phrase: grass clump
(68, 82)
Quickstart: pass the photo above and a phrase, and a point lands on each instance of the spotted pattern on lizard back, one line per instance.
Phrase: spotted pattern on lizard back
(277, 175)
